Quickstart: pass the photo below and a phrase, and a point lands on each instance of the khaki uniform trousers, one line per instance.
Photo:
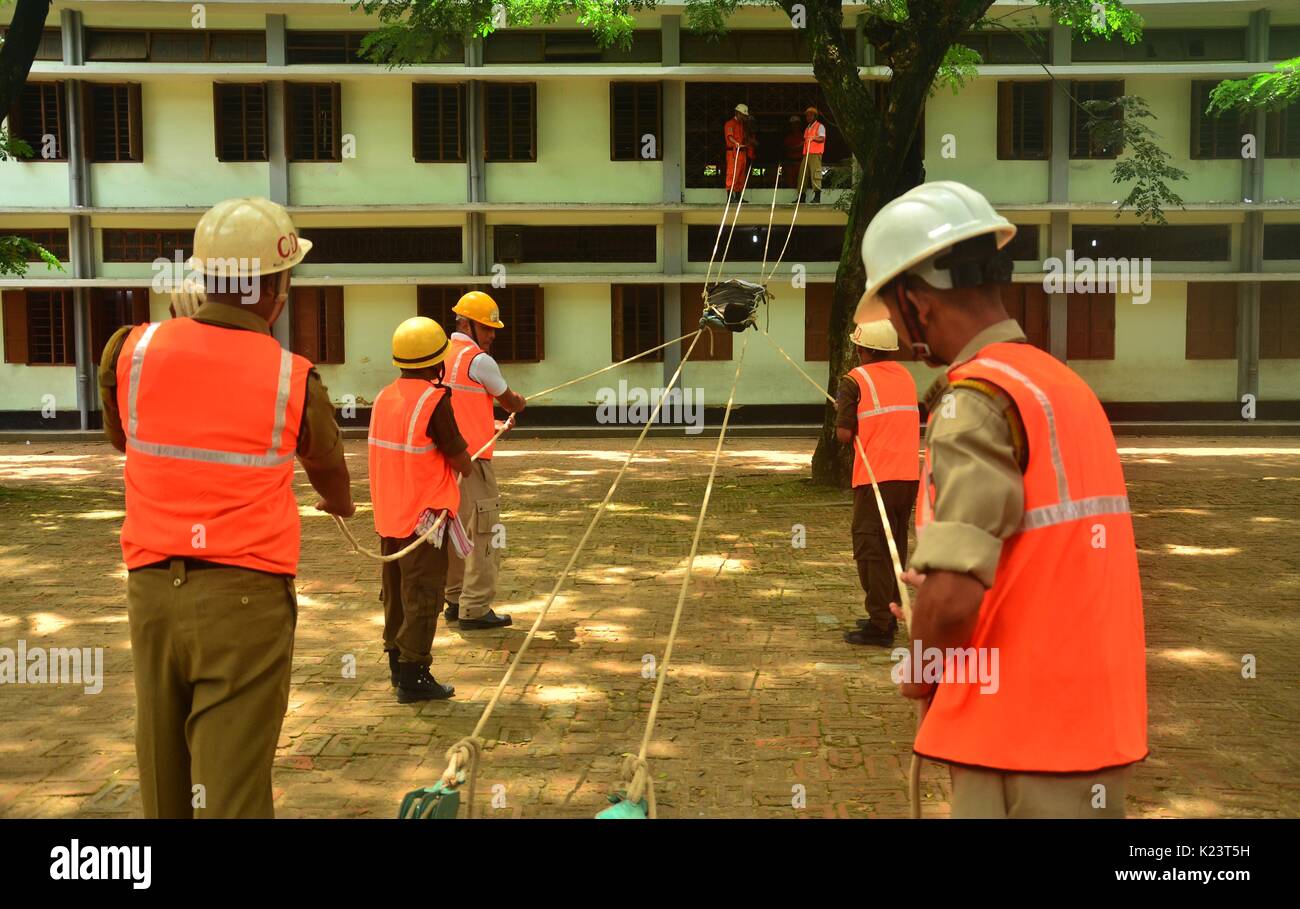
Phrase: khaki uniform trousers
(213, 649)
(411, 589)
(472, 581)
(811, 172)
(978, 792)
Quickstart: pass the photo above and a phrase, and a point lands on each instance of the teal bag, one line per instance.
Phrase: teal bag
(624, 810)
(434, 802)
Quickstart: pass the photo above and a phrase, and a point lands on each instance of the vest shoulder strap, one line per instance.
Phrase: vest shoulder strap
(1007, 407)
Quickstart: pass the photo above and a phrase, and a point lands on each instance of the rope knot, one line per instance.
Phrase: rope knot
(640, 784)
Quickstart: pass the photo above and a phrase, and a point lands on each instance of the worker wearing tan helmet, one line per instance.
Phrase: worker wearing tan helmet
(211, 411)
(877, 403)
(477, 384)
(814, 146)
(417, 456)
(1026, 562)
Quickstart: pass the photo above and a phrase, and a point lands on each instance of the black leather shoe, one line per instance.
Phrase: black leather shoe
(415, 684)
(866, 623)
(489, 619)
(870, 636)
(393, 662)
(452, 612)
(817, 196)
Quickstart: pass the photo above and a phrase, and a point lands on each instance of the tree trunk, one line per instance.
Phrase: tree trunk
(22, 40)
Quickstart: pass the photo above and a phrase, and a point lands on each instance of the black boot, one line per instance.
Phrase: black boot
(488, 619)
(870, 635)
(415, 684)
(393, 662)
(452, 612)
(866, 623)
(817, 195)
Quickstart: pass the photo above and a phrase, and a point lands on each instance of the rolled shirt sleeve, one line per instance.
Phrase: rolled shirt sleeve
(320, 444)
(979, 490)
(846, 404)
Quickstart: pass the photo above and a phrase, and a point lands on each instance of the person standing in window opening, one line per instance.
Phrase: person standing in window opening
(792, 153)
(814, 144)
(741, 142)
(476, 383)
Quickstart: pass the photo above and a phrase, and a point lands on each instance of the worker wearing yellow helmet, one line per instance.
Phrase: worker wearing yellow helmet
(477, 384)
(417, 456)
(211, 411)
(876, 402)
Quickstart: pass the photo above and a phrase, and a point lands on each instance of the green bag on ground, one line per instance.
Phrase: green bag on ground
(432, 802)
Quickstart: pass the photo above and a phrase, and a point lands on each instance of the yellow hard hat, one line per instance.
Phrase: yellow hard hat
(419, 342)
(479, 307)
(251, 236)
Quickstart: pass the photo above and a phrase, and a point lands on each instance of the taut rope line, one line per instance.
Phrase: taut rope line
(635, 770)
(465, 751)
(510, 421)
(904, 600)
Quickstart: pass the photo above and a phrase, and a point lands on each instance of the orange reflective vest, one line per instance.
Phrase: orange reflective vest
(407, 472)
(889, 423)
(1064, 615)
(470, 400)
(814, 138)
(212, 418)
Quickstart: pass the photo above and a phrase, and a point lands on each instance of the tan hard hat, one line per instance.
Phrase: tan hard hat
(812, 110)
(877, 335)
(252, 236)
(480, 308)
(419, 342)
(743, 109)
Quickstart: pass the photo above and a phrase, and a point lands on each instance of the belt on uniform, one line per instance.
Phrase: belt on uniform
(200, 565)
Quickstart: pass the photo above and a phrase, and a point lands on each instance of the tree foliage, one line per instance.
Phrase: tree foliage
(1262, 91)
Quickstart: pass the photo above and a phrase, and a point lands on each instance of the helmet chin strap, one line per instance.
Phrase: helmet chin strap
(912, 322)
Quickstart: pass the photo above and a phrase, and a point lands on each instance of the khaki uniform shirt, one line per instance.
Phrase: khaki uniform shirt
(320, 447)
(978, 453)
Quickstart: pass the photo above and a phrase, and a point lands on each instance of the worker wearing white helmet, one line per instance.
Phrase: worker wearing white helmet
(740, 139)
(211, 411)
(877, 403)
(1025, 553)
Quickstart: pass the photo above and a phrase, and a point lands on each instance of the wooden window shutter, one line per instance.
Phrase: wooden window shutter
(1102, 326)
(306, 322)
(331, 342)
(15, 326)
(135, 122)
(1038, 316)
(1211, 321)
(816, 319)
(1077, 330)
(616, 324)
(539, 323)
(1006, 105)
(1279, 320)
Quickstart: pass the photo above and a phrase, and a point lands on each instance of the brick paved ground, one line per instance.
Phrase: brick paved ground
(763, 695)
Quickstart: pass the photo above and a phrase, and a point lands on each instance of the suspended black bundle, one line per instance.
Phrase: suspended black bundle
(733, 305)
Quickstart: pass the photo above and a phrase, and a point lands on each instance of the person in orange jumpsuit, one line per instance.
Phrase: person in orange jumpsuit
(740, 147)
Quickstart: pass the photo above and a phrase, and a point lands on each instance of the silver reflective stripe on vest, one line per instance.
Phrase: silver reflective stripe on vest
(407, 447)
(1064, 512)
(871, 387)
(892, 408)
(1058, 465)
(272, 458)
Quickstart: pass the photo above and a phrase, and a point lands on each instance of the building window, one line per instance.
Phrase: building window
(239, 112)
(52, 239)
(637, 320)
(37, 113)
(175, 45)
(112, 122)
(1211, 320)
(1083, 144)
(50, 46)
(588, 243)
(1214, 136)
(999, 46)
(1024, 246)
(1282, 132)
(1162, 45)
(808, 244)
(110, 309)
(323, 47)
(314, 115)
(1024, 121)
(1279, 320)
(438, 118)
(510, 122)
(39, 328)
(1283, 42)
(1090, 326)
(317, 325)
(1031, 307)
(709, 105)
(1282, 241)
(635, 113)
(816, 321)
(521, 312)
(715, 343)
(385, 245)
(568, 46)
(751, 45)
(126, 245)
(1166, 243)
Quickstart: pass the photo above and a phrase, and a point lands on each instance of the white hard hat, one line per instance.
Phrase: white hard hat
(245, 237)
(877, 335)
(743, 108)
(922, 224)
